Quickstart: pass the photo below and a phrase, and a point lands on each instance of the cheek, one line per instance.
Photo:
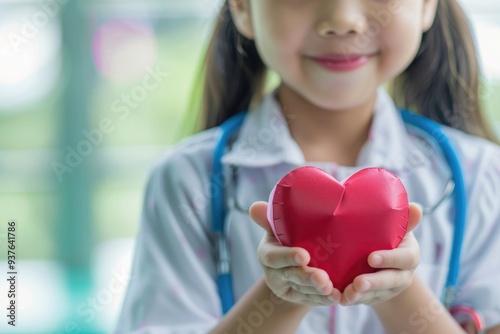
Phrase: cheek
(400, 44)
(279, 42)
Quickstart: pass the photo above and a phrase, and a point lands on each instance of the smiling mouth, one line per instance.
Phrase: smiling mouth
(342, 63)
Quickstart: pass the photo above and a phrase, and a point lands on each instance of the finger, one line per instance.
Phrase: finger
(258, 213)
(352, 297)
(277, 256)
(354, 294)
(305, 276)
(388, 279)
(311, 290)
(296, 275)
(405, 257)
(312, 299)
(414, 216)
(388, 259)
(349, 296)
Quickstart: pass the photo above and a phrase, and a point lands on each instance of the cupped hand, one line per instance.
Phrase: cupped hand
(286, 271)
(397, 269)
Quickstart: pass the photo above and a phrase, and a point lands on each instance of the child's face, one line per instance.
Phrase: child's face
(289, 33)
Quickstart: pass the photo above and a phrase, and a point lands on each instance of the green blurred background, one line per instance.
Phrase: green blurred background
(75, 76)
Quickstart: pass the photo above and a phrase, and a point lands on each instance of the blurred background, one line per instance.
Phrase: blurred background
(92, 93)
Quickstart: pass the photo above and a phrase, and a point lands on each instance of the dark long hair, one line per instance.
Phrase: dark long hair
(441, 83)
(234, 72)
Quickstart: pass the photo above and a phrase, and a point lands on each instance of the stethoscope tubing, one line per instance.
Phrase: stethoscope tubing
(224, 277)
(459, 196)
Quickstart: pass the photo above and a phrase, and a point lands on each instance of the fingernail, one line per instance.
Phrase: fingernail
(313, 280)
(330, 298)
(376, 260)
(297, 259)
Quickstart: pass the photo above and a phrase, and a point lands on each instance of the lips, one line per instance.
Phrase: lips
(342, 62)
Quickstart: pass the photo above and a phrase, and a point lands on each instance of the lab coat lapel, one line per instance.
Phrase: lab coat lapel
(264, 138)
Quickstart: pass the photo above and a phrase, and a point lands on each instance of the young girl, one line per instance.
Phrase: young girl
(329, 111)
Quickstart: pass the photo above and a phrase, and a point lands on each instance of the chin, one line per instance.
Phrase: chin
(339, 101)
(337, 105)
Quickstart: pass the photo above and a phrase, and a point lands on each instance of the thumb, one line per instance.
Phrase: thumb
(258, 213)
(414, 217)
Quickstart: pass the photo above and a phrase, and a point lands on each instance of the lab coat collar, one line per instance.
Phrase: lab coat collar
(265, 139)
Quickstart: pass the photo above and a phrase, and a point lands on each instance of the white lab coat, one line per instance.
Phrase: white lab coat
(172, 287)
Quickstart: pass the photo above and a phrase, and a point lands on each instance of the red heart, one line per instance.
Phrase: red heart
(339, 223)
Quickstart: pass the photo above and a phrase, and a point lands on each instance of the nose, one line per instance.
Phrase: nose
(341, 17)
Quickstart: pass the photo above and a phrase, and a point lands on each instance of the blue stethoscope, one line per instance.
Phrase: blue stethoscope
(224, 278)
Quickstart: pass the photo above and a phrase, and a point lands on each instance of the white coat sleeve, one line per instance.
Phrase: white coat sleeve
(479, 282)
(172, 287)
